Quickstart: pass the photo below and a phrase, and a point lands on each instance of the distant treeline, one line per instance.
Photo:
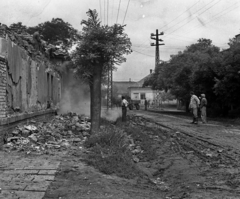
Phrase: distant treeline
(203, 68)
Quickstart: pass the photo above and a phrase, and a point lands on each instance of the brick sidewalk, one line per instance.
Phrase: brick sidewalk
(25, 177)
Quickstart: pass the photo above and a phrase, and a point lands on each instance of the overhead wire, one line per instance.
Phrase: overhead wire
(107, 10)
(100, 9)
(193, 18)
(188, 17)
(179, 15)
(104, 11)
(118, 10)
(112, 9)
(218, 15)
(126, 11)
(143, 53)
(190, 39)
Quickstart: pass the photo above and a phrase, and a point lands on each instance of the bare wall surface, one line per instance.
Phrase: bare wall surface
(30, 84)
(27, 86)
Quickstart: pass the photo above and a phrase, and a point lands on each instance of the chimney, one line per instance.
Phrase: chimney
(150, 71)
(129, 79)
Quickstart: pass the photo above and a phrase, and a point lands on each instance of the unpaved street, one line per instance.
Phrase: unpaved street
(170, 159)
(224, 134)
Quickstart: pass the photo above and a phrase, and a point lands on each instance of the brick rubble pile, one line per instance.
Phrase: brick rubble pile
(62, 132)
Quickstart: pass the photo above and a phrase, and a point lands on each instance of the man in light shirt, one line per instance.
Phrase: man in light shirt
(193, 106)
(124, 109)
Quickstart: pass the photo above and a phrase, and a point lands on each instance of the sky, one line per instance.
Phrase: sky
(182, 21)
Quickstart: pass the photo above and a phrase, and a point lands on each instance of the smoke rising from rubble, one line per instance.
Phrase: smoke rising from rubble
(75, 96)
(112, 114)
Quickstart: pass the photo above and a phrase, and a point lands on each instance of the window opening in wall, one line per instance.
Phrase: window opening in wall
(143, 95)
(135, 95)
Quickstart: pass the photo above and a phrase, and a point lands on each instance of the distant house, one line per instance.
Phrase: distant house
(121, 87)
(142, 93)
(135, 90)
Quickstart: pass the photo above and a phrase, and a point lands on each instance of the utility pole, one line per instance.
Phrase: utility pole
(109, 85)
(157, 44)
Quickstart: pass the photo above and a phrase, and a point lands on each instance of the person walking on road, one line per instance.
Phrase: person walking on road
(203, 108)
(146, 104)
(124, 109)
(193, 106)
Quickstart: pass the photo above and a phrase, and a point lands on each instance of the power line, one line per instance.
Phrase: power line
(100, 9)
(118, 10)
(218, 15)
(107, 10)
(126, 12)
(193, 18)
(188, 17)
(179, 15)
(112, 9)
(143, 53)
(104, 10)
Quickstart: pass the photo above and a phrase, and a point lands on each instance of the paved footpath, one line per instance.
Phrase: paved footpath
(25, 177)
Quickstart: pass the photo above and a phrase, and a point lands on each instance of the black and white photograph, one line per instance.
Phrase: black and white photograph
(120, 99)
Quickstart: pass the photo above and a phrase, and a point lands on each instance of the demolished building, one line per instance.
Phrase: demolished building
(30, 86)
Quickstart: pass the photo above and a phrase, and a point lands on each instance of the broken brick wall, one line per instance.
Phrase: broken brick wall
(30, 84)
(3, 77)
(27, 85)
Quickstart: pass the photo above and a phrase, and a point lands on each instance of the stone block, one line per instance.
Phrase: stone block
(47, 172)
(20, 171)
(43, 178)
(38, 186)
(29, 194)
(12, 185)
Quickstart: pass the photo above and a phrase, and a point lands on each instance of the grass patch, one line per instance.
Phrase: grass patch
(110, 153)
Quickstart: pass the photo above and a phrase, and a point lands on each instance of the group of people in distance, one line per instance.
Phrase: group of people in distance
(194, 106)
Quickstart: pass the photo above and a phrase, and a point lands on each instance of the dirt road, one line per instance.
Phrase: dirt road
(174, 159)
(188, 161)
(224, 134)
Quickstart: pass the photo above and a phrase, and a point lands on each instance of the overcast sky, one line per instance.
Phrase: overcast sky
(182, 21)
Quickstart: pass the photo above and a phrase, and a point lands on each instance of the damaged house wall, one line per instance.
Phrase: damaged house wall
(28, 84)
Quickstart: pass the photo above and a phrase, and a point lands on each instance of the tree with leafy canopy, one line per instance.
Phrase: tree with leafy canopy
(227, 80)
(192, 69)
(99, 48)
(55, 32)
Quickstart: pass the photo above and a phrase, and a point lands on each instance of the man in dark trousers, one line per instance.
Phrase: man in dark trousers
(146, 104)
(124, 109)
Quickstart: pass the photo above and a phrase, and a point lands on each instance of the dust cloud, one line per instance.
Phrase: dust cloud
(111, 114)
(75, 95)
(76, 98)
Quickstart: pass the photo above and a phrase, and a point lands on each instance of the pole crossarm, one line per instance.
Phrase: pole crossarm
(157, 44)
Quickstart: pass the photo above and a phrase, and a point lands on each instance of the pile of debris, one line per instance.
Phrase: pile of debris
(63, 131)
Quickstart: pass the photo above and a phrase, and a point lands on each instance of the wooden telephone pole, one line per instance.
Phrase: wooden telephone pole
(157, 44)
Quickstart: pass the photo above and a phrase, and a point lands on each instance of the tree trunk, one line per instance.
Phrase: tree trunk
(96, 99)
(91, 99)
